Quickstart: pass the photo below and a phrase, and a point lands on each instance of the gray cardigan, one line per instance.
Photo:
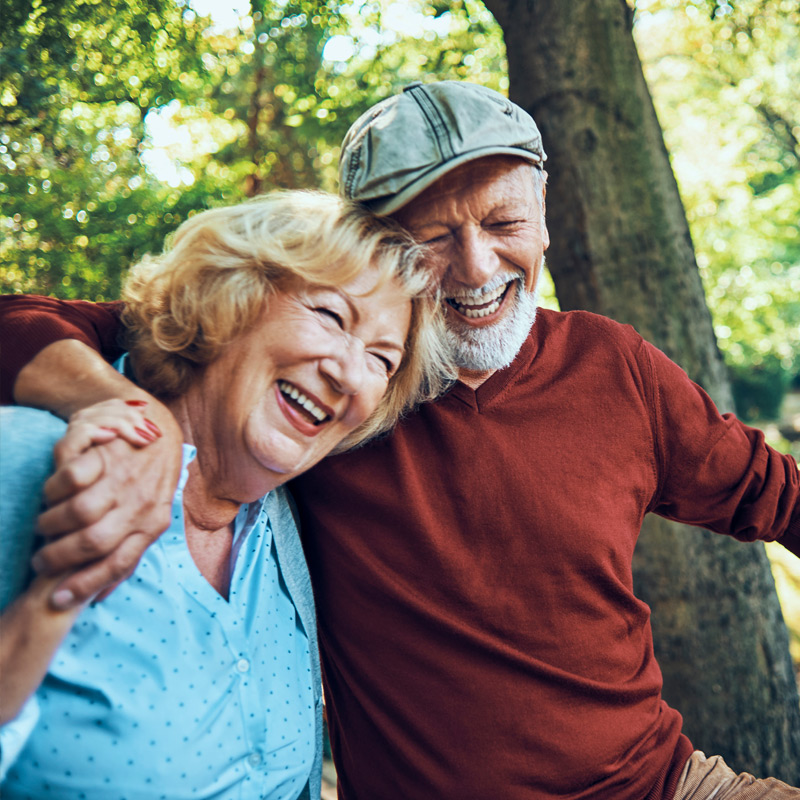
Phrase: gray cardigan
(27, 437)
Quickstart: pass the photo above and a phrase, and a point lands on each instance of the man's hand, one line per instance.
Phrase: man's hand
(110, 496)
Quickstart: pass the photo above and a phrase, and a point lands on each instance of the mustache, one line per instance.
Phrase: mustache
(452, 293)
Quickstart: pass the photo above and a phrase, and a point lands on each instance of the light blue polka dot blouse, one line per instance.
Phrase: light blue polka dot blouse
(167, 690)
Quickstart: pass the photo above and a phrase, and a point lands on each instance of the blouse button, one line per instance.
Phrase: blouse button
(243, 665)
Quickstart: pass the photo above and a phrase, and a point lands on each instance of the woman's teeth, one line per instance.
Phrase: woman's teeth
(476, 306)
(293, 393)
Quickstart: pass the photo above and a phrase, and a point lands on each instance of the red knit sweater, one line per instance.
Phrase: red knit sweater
(479, 633)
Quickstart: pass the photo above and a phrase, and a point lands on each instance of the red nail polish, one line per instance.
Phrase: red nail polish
(145, 434)
(138, 403)
(153, 427)
(106, 428)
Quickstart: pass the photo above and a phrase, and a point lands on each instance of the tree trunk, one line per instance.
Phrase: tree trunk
(620, 246)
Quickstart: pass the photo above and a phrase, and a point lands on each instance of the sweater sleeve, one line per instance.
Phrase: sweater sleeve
(717, 472)
(31, 322)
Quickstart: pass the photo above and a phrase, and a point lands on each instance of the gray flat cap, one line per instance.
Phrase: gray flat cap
(404, 143)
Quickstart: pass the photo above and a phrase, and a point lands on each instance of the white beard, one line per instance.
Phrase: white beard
(493, 347)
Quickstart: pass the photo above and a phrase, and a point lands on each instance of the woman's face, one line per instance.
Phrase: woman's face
(283, 395)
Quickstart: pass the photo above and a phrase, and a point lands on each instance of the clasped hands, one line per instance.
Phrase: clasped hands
(109, 498)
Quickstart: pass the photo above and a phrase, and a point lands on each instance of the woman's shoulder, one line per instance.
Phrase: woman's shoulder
(27, 436)
(19, 424)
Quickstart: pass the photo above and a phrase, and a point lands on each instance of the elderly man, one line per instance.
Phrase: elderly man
(480, 637)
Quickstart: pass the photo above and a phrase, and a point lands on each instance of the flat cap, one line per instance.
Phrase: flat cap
(403, 144)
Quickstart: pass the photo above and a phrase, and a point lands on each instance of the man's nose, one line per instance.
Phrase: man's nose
(344, 368)
(475, 261)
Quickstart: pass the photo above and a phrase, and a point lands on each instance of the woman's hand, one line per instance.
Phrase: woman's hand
(109, 498)
(102, 422)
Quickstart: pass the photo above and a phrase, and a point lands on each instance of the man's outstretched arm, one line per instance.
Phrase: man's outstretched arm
(109, 503)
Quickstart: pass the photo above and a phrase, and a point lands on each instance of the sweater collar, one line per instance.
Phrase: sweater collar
(500, 380)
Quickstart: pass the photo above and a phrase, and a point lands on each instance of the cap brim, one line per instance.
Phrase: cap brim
(383, 206)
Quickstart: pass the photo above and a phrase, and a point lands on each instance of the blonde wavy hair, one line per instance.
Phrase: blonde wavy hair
(219, 269)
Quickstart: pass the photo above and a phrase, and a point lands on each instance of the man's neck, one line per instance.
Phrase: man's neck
(474, 378)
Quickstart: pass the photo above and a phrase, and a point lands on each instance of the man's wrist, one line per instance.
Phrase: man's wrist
(67, 376)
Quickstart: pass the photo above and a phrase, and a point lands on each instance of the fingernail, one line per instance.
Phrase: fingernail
(145, 434)
(63, 599)
(106, 428)
(37, 563)
(153, 427)
(136, 402)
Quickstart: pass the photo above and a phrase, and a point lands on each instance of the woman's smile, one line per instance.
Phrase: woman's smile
(302, 408)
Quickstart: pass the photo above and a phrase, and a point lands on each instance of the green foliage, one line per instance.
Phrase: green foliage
(264, 79)
(726, 83)
(76, 81)
(121, 119)
(54, 54)
(759, 389)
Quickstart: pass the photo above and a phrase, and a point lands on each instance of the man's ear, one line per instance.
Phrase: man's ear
(545, 232)
(544, 193)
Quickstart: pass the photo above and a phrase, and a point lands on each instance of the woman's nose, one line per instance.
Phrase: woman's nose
(345, 367)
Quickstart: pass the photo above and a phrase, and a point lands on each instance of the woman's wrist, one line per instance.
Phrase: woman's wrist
(32, 632)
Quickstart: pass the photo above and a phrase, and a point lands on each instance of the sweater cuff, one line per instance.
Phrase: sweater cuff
(791, 539)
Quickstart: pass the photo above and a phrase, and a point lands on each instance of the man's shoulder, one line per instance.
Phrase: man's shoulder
(582, 325)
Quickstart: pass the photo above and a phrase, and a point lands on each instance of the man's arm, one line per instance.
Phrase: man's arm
(29, 323)
(109, 503)
(715, 471)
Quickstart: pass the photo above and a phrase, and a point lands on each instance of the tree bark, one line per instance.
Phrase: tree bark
(620, 246)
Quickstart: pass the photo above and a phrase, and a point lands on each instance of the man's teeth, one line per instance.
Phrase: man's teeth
(295, 394)
(474, 307)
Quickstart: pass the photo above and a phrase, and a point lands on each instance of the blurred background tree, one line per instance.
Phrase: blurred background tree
(725, 79)
(726, 82)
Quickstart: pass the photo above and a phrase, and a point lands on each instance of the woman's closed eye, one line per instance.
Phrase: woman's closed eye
(386, 363)
(334, 315)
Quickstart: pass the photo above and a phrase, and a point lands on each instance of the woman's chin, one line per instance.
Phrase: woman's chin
(280, 457)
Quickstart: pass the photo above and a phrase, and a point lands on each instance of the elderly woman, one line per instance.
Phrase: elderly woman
(276, 331)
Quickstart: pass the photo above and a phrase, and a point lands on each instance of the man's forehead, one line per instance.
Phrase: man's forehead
(493, 182)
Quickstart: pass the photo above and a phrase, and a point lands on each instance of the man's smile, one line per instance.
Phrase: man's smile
(475, 306)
